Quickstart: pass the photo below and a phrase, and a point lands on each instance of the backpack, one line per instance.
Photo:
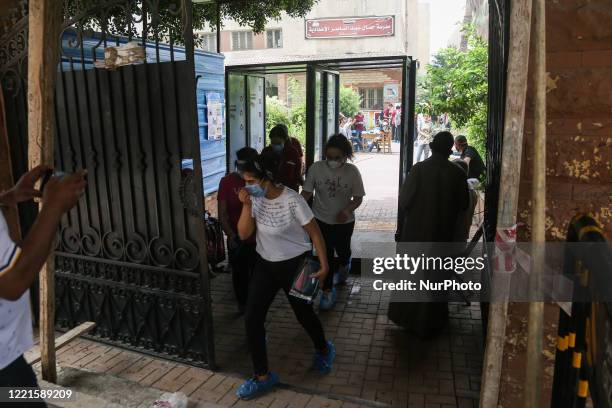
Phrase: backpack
(215, 243)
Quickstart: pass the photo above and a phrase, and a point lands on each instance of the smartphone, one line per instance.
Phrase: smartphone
(47, 177)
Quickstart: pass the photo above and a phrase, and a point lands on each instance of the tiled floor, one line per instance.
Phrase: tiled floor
(377, 360)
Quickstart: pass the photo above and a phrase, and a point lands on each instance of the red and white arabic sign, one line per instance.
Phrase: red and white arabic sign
(350, 27)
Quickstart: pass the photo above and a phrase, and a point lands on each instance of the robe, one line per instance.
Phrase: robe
(430, 203)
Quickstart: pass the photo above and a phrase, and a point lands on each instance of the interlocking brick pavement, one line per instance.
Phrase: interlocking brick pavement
(377, 360)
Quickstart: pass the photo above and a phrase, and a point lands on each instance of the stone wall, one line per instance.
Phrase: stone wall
(579, 156)
(579, 123)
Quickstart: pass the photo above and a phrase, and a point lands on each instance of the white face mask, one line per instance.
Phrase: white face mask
(334, 164)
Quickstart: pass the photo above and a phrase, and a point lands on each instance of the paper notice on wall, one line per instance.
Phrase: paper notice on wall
(214, 108)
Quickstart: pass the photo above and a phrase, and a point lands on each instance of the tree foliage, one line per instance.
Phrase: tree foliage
(164, 17)
(294, 119)
(350, 101)
(276, 113)
(456, 83)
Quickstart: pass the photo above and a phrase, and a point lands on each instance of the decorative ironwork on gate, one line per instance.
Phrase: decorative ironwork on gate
(131, 256)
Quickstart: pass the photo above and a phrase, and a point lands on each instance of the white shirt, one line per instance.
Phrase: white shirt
(15, 317)
(333, 189)
(279, 222)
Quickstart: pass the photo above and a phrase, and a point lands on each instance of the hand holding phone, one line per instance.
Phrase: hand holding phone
(62, 191)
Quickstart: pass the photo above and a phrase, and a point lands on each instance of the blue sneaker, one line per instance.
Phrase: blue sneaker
(253, 387)
(328, 299)
(323, 362)
(342, 274)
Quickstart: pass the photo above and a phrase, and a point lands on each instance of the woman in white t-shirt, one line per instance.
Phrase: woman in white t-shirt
(284, 227)
(338, 191)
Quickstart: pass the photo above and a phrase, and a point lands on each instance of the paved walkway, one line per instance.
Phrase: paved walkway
(380, 174)
(377, 360)
(378, 363)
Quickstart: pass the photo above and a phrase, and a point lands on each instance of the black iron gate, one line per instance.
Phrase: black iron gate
(132, 255)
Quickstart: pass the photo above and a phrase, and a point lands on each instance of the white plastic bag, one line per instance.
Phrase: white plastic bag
(167, 400)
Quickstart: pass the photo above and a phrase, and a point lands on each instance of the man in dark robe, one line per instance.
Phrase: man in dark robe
(430, 202)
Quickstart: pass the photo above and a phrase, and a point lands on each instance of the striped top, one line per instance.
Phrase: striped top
(15, 316)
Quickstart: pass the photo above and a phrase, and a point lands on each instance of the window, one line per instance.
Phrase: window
(371, 98)
(274, 38)
(242, 40)
(209, 42)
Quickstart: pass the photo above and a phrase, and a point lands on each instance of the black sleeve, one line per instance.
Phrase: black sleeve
(470, 152)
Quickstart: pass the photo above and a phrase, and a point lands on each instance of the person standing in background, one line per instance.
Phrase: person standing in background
(393, 113)
(241, 253)
(397, 122)
(359, 124)
(430, 203)
(290, 159)
(423, 139)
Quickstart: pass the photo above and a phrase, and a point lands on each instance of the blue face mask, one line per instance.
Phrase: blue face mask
(278, 148)
(255, 190)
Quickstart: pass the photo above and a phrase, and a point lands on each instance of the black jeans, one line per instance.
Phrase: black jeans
(19, 374)
(242, 259)
(267, 279)
(337, 237)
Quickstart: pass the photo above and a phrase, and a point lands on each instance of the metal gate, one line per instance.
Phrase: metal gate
(132, 255)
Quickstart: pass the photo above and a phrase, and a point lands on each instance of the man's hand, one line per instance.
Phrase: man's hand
(61, 195)
(24, 189)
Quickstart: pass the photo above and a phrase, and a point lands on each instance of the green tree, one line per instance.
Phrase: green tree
(164, 16)
(456, 83)
(350, 101)
(276, 113)
(297, 128)
(294, 119)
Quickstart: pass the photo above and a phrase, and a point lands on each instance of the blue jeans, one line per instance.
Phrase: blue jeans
(422, 149)
(357, 142)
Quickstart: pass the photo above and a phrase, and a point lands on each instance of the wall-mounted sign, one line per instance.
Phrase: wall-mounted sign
(214, 108)
(391, 93)
(350, 27)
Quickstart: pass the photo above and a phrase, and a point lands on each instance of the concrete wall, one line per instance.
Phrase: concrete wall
(423, 35)
(405, 39)
(579, 109)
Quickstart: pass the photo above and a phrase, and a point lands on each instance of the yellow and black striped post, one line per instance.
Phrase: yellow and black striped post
(573, 372)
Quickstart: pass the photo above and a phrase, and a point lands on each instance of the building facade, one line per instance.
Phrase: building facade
(476, 14)
(333, 29)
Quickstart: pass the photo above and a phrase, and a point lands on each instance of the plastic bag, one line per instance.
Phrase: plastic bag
(304, 286)
(167, 400)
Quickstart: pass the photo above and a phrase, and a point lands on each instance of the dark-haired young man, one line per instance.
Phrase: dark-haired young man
(476, 166)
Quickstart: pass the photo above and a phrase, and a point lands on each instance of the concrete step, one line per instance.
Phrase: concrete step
(98, 390)
(94, 389)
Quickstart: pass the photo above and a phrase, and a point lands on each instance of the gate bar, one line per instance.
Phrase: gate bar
(43, 56)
